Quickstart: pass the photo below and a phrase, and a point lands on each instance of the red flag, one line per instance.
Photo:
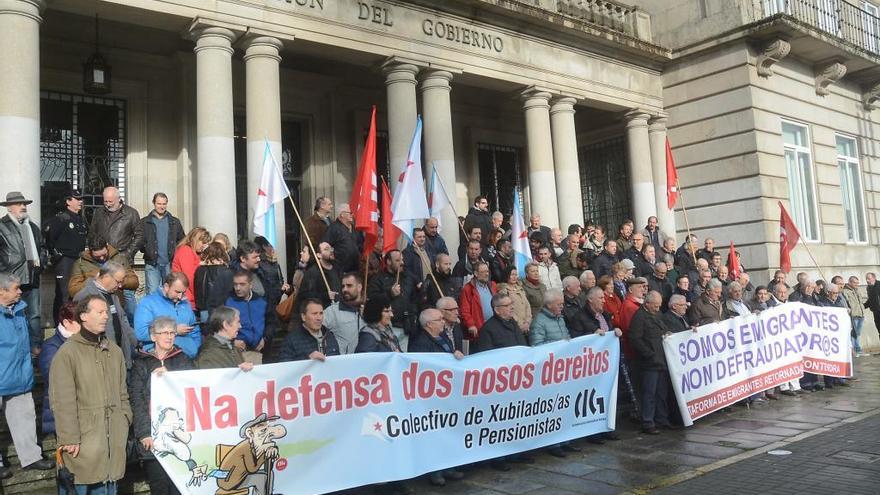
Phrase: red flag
(671, 178)
(390, 232)
(364, 202)
(732, 263)
(788, 238)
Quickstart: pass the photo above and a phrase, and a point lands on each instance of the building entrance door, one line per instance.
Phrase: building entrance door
(500, 175)
(82, 145)
(605, 184)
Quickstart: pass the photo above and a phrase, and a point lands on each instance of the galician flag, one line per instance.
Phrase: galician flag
(272, 190)
(438, 200)
(519, 237)
(409, 203)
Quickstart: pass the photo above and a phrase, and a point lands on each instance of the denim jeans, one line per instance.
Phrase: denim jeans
(857, 322)
(153, 275)
(96, 489)
(130, 305)
(32, 312)
(655, 389)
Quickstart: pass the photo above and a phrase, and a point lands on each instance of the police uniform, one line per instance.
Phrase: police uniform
(65, 235)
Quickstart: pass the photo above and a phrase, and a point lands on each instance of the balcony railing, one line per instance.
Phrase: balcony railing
(612, 15)
(855, 23)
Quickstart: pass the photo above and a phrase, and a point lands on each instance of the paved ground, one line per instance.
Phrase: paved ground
(834, 436)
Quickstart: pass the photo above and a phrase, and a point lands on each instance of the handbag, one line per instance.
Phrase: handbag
(284, 310)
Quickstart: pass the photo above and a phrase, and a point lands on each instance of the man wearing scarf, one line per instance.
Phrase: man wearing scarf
(20, 255)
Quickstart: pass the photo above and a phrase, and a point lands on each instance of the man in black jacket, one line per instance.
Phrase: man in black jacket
(574, 314)
(310, 339)
(657, 281)
(478, 216)
(65, 236)
(403, 292)
(344, 240)
(676, 316)
(608, 257)
(162, 232)
(449, 286)
(646, 337)
(501, 330)
(312, 285)
(22, 255)
(502, 259)
(873, 300)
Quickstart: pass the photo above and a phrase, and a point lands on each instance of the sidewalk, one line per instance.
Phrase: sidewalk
(722, 453)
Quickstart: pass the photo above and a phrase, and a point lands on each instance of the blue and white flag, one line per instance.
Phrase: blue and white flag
(272, 190)
(409, 203)
(519, 237)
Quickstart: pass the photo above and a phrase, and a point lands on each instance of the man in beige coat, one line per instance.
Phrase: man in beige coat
(89, 398)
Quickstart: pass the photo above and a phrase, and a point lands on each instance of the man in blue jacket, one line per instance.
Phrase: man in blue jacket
(17, 377)
(169, 301)
(252, 309)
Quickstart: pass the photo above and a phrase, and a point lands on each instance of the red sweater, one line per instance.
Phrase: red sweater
(186, 260)
(470, 309)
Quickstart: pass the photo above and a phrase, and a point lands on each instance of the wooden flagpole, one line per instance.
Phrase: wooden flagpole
(687, 224)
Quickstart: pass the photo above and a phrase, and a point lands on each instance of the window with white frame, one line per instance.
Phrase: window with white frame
(801, 182)
(872, 26)
(851, 189)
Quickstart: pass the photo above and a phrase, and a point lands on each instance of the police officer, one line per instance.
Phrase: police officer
(65, 235)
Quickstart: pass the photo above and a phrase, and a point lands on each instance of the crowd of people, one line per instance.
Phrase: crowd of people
(208, 305)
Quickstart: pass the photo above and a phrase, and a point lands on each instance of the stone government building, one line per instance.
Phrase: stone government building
(572, 100)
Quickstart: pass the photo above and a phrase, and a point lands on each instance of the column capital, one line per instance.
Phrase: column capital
(399, 70)
(562, 104)
(535, 97)
(657, 123)
(258, 46)
(25, 8)
(636, 118)
(436, 79)
(213, 38)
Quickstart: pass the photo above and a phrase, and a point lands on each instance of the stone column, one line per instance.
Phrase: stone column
(20, 99)
(400, 83)
(215, 171)
(542, 180)
(565, 153)
(263, 107)
(438, 141)
(640, 176)
(657, 137)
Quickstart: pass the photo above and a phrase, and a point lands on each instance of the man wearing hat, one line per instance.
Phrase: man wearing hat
(250, 462)
(65, 235)
(20, 254)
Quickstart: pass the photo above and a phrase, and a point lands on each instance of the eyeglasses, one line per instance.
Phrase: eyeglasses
(450, 309)
(504, 305)
(165, 334)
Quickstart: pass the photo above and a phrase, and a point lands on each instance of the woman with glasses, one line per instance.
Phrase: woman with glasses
(376, 335)
(163, 357)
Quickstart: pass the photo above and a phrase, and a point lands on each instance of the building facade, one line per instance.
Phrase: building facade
(765, 101)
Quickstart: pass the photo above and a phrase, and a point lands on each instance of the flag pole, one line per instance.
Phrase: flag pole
(304, 231)
(436, 284)
(687, 224)
(813, 259)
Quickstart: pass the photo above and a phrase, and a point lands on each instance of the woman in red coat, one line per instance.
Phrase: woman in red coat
(188, 257)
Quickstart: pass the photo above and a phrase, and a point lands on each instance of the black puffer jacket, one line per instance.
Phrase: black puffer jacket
(299, 343)
(139, 389)
(478, 218)
(345, 245)
(497, 333)
(150, 243)
(12, 253)
(122, 229)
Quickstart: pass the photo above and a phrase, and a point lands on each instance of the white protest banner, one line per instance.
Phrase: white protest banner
(315, 427)
(725, 362)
